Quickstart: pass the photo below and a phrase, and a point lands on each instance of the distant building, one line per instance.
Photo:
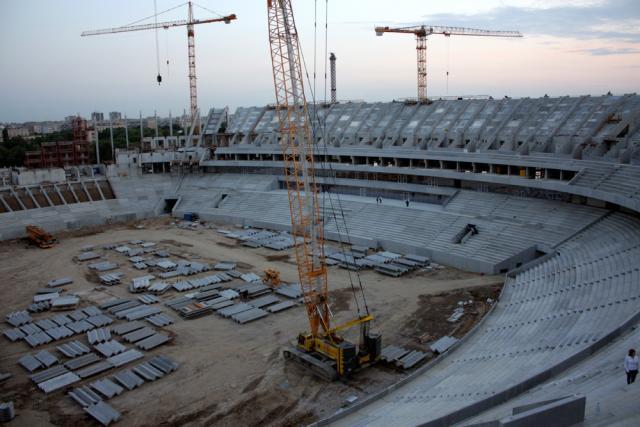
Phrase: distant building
(12, 132)
(45, 128)
(1, 133)
(97, 117)
(58, 154)
(115, 115)
(91, 135)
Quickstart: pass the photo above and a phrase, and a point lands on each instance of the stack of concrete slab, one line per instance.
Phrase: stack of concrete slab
(253, 289)
(153, 341)
(402, 357)
(111, 279)
(160, 319)
(192, 310)
(291, 290)
(99, 335)
(443, 344)
(59, 282)
(140, 284)
(87, 256)
(103, 266)
(7, 413)
(185, 285)
(73, 349)
(225, 265)
(18, 318)
(110, 348)
(103, 413)
(159, 288)
(67, 302)
(399, 266)
(148, 299)
(38, 307)
(54, 378)
(283, 305)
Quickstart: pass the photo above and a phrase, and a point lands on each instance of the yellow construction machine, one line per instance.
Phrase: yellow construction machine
(322, 349)
(271, 277)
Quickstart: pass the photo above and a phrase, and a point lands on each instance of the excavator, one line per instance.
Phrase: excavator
(40, 237)
(322, 349)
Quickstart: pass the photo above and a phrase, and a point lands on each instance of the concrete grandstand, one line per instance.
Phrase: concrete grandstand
(552, 186)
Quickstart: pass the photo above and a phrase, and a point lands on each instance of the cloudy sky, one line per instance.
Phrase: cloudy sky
(47, 70)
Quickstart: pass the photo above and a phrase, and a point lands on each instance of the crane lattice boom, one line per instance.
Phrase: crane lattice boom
(297, 150)
(423, 31)
(159, 25)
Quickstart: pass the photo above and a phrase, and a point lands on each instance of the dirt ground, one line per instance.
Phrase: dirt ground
(229, 374)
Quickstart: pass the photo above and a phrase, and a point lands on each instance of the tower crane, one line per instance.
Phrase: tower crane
(421, 33)
(322, 349)
(190, 22)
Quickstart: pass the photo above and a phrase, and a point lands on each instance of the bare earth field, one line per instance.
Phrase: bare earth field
(229, 374)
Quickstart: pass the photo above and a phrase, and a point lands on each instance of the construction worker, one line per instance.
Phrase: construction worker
(631, 366)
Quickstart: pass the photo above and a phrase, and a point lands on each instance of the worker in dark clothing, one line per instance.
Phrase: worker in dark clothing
(631, 366)
(407, 202)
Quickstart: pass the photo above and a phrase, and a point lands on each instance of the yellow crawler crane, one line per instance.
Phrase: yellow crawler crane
(321, 349)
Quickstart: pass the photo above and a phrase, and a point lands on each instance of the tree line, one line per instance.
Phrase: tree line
(12, 150)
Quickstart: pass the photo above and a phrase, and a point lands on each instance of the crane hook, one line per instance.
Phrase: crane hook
(159, 78)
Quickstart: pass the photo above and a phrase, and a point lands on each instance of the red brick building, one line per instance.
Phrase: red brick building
(58, 154)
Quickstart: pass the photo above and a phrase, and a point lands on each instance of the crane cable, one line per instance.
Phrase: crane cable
(448, 59)
(324, 165)
(166, 44)
(155, 15)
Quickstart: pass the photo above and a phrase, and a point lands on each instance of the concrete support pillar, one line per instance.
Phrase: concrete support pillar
(5, 204)
(86, 191)
(60, 194)
(13, 193)
(73, 193)
(46, 196)
(95, 182)
(33, 199)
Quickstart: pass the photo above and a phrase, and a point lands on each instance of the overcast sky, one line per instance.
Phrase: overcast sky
(47, 71)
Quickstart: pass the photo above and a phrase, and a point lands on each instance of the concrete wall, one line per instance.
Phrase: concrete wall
(37, 176)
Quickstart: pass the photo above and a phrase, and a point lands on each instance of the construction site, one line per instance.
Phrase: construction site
(427, 261)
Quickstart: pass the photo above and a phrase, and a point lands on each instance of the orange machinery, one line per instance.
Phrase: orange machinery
(40, 237)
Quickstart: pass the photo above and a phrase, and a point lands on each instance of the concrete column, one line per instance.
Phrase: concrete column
(95, 182)
(126, 131)
(95, 128)
(13, 193)
(73, 193)
(86, 191)
(33, 199)
(60, 194)
(46, 196)
(5, 204)
(113, 150)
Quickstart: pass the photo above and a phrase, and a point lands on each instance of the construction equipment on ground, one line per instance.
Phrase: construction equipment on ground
(271, 277)
(40, 237)
(322, 350)
(189, 23)
(423, 31)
